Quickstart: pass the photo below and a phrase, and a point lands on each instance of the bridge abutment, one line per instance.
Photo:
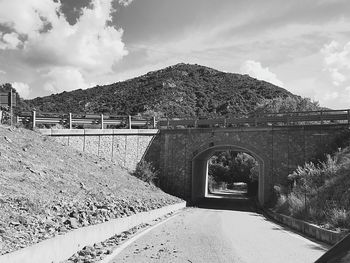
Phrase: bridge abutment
(279, 150)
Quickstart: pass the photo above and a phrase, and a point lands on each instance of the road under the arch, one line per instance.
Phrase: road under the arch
(200, 173)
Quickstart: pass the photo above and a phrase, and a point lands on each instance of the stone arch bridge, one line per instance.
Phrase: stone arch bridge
(183, 153)
(181, 148)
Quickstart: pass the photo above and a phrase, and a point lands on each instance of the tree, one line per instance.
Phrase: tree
(287, 104)
(231, 167)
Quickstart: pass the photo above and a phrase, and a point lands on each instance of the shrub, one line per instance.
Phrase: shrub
(146, 172)
(339, 218)
(320, 192)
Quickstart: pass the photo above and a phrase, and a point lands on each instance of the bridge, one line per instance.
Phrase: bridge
(180, 147)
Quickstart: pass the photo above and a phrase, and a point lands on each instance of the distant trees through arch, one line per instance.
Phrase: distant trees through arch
(233, 172)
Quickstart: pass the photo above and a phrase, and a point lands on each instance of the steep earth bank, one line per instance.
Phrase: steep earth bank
(48, 189)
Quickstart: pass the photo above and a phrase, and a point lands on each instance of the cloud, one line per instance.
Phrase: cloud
(61, 79)
(23, 89)
(256, 70)
(46, 41)
(125, 2)
(9, 41)
(2, 71)
(337, 61)
(89, 44)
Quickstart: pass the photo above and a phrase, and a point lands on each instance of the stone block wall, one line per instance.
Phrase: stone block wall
(281, 149)
(125, 147)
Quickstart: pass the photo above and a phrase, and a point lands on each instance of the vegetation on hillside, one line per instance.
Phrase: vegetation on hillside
(20, 105)
(179, 90)
(286, 104)
(321, 191)
(146, 172)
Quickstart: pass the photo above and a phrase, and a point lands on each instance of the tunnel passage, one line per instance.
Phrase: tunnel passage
(232, 174)
(200, 172)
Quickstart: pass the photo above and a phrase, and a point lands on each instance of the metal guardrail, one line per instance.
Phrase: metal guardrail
(85, 120)
(324, 117)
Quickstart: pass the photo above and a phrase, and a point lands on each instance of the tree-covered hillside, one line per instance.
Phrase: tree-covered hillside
(179, 90)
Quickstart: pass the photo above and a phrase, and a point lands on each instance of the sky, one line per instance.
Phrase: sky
(51, 46)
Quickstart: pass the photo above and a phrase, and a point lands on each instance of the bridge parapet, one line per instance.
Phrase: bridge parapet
(100, 121)
(302, 118)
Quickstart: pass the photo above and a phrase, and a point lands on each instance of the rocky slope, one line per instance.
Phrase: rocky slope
(48, 189)
(179, 90)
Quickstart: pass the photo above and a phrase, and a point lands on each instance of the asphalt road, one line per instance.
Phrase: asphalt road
(217, 235)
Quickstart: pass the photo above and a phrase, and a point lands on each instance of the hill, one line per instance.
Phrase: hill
(47, 189)
(179, 90)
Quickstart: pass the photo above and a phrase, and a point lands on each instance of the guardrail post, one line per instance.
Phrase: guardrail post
(34, 118)
(102, 124)
(348, 117)
(154, 122)
(70, 121)
(167, 124)
(129, 122)
(321, 117)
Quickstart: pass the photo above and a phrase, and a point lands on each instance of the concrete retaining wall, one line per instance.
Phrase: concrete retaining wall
(62, 247)
(327, 236)
(123, 146)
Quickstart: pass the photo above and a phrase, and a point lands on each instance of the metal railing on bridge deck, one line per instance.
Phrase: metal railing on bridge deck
(100, 121)
(324, 117)
(84, 120)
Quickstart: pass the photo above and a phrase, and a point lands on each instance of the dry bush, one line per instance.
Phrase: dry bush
(146, 172)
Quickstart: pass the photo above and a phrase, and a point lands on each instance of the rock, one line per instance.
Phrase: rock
(72, 222)
(98, 246)
(74, 214)
(7, 139)
(82, 185)
(22, 220)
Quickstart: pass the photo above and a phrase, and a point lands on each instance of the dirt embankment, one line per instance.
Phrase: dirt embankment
(47, 189)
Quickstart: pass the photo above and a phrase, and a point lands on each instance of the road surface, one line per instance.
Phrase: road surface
(215, 235)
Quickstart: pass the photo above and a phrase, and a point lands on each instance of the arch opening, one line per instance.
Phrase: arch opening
(200, 172)
(232, 174)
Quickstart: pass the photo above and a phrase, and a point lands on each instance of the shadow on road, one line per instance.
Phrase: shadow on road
(237, 204)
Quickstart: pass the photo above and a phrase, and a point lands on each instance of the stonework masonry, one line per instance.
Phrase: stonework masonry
(125, 147)
(181, 154)
(279, 150)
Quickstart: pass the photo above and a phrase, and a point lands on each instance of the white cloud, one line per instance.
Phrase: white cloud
(88, 45)
(337, 61)
(125, 2)
(9, 41)
(256, 70)
(23, 89)
(64, 79)
(2, 72)
(45, 40)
